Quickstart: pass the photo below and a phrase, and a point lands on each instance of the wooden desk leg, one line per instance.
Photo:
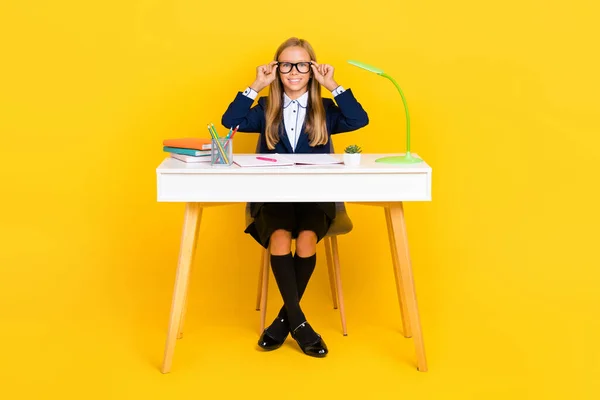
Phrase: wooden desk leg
(338, 282)
(191, 224)
(399, 289)
(187, 288)
(266, 262)
(398, 225)
(260, 279)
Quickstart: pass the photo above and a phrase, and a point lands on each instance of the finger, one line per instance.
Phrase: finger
(273, 63)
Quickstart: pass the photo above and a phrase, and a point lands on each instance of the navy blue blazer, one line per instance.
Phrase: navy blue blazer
(348, 115)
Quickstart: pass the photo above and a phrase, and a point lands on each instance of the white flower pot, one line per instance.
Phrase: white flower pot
(352, 159)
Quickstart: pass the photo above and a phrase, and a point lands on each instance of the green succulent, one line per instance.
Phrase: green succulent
(352, 149)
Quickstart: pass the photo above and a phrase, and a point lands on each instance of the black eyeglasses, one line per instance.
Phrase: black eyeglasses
(286, 67)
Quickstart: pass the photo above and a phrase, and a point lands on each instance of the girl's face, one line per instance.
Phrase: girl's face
(295, 81)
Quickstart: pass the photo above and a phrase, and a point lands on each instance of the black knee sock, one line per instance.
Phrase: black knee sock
(285, 276)
(304, 267)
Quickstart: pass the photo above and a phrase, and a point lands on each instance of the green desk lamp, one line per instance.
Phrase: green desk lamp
(407, 158)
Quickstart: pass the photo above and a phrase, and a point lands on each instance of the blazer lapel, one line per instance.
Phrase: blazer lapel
(303, 146)
(283, 138)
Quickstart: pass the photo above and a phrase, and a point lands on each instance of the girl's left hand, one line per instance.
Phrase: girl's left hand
(324, 75)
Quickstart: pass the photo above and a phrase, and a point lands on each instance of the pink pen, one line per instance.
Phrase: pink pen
(266, 159)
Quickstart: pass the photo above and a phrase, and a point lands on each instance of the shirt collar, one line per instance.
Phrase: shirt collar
(302, 100)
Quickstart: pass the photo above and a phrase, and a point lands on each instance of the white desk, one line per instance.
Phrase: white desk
(199, 185)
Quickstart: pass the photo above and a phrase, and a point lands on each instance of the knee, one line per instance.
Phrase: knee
(281, 242)
(306, 244)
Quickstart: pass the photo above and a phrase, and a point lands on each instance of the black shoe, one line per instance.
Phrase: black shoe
(266, 342)
(313, 348)
(270, 340)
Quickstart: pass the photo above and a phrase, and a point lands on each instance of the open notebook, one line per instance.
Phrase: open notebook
(284, 160)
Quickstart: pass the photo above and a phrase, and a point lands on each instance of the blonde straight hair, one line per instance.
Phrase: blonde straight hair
(315, 125)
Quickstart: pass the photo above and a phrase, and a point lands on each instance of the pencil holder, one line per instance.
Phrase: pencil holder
(221, 153)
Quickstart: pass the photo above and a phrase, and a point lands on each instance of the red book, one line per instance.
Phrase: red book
(189, 143)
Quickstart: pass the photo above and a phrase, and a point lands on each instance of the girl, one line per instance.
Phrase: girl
(293, 119)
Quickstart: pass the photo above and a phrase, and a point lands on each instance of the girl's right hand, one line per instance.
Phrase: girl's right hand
(265, 74)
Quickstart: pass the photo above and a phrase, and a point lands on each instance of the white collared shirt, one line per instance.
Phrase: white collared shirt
(294, 112)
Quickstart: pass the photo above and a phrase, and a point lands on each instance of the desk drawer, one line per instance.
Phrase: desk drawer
(186, 187)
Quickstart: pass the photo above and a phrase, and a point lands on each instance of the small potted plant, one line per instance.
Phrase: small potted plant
(352, 155)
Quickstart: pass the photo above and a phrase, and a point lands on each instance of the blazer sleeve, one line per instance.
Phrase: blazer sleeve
(348, 115)
(240, 112)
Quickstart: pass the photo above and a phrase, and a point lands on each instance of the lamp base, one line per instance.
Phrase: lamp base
(405, 159)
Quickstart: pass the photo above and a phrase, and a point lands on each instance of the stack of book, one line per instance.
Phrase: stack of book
(189, 150)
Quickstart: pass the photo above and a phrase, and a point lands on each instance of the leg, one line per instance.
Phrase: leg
(193, 213)
(303, 269)
(282, 264)
(331, 272)
(264, 287)
(406, 276)
(265, 253)
(187, 290)
(184, 310)
(309, 341)
(306, 244)
(338, 278)
(399, 288)
(313, 225)
(274, 224)
(284, 219)
(280, 247)
(281, 242)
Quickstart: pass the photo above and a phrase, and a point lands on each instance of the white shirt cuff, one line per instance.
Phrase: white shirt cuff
(337, 91)
(249, 92)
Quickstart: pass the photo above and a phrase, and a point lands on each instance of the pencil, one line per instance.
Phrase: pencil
(216, 139)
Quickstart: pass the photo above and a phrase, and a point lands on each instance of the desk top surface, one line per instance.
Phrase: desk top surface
(368, 165)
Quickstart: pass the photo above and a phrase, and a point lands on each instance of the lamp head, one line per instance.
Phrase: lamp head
(408, 158)
(366, 66)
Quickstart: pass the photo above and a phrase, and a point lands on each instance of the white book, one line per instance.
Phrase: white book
(190, 159)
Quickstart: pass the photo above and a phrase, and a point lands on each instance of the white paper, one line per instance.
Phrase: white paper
(253, 161)
(285, 160)
(313, 159)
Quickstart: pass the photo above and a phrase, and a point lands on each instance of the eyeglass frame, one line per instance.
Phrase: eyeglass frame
(295, 65)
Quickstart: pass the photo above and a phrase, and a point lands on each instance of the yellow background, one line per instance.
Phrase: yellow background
(504, 105)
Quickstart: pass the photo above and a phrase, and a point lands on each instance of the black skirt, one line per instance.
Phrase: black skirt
(292, 217)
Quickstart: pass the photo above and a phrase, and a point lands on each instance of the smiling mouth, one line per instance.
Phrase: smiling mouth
(294, 80)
